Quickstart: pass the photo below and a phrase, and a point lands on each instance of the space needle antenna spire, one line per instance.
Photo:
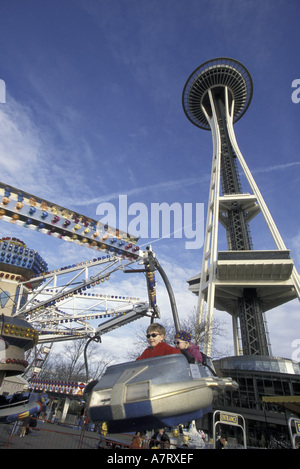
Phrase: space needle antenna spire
(241, 281)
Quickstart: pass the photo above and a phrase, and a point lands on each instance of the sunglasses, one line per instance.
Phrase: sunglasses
(151, 335)
(178, 342)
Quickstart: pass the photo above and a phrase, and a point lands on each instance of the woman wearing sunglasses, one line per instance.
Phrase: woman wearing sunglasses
(157, 347)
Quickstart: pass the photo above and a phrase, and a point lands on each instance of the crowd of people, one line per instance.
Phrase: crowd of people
(160, 439)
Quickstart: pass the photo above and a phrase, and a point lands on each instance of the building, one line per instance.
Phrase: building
(18, 264)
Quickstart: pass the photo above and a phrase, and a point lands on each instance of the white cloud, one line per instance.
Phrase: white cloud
(295, 247)
(164, 185)
(20, 144)
(282, 326)
(278, 167)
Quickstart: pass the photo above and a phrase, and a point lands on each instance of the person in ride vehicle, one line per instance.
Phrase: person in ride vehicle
(183, 342)
(156, 335)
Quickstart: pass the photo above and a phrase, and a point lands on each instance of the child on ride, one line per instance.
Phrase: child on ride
(157, 347)
(183, 342)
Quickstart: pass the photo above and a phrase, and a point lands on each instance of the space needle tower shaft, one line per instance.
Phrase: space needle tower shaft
(215, 96)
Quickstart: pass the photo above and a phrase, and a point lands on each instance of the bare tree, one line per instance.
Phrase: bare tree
(68, 363)
(188, 324)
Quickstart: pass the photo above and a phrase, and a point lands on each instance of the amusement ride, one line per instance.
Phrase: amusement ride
(54, 306)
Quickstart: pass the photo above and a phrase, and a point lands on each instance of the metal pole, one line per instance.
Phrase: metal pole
(154, 264)
(171, 295)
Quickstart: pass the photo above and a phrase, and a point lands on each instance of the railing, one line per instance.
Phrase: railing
(40, 434)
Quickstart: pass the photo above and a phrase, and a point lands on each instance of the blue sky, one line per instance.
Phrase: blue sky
(93, 110)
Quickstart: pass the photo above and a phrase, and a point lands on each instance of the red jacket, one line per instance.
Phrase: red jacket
(161, 349)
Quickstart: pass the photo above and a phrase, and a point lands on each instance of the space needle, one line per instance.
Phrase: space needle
(241, 281)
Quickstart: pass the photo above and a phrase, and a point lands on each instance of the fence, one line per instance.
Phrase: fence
(45, 435)
(41, 434)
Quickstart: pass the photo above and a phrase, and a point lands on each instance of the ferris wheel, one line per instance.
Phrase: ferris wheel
(68, 303)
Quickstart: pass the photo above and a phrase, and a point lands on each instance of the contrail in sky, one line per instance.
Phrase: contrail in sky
(177, 184)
